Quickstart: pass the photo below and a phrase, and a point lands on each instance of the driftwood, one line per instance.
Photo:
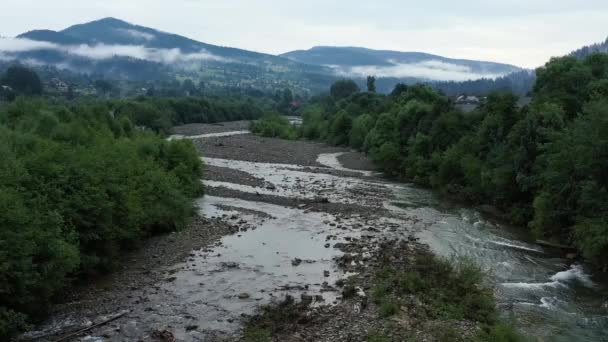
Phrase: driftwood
(554, 245)
(78, 332)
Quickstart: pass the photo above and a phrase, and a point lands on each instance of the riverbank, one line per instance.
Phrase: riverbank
(298, 228)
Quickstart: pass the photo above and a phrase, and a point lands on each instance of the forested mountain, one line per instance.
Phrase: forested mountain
(356, 61)
(114, 49)
(587, 50)
(119, 50)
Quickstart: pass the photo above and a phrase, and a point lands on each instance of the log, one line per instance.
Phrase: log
(554, 245)
(78, 332)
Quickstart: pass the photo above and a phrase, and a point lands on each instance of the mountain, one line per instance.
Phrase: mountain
(115, 49)
(587, 50)
(51, 37)
(360, 62)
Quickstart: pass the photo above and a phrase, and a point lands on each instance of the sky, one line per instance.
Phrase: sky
(521, 32)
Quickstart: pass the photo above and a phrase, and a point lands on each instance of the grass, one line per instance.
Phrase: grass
(434, 295)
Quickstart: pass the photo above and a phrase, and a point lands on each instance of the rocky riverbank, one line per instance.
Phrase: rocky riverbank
(293, 226)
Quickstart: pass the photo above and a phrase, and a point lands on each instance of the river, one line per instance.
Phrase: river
(295, 204)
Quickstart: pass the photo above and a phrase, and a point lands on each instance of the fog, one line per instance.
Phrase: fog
(10, 47)
(433, 70)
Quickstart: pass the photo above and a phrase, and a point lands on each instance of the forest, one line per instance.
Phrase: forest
(83, 181)
(543, 166)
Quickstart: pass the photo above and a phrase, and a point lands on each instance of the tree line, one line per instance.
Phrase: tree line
(83, 180)
(78, 186)
(544, 166)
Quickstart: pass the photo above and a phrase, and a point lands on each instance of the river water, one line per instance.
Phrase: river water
(545, 295)
(541, 292)
(291, 250)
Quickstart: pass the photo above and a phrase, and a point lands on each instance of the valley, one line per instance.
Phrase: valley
(300, 219)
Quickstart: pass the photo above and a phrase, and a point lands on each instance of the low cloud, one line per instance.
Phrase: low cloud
(432, 70)
(137, 34)
(10, 47)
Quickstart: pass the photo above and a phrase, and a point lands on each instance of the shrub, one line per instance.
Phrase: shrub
(274, 126)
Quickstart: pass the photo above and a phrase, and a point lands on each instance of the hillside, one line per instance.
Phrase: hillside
(360, 62)
(115, 49)
(586, 50)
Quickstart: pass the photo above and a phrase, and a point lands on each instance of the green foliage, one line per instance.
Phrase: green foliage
(77, 187)
(543, 165)
(388, 308)
(500, 332)
(274, 126)
(343, 89)
(360, 128)
(377, 337)
(160, 114)
(371, 84)
(340, 128)
(22, 80)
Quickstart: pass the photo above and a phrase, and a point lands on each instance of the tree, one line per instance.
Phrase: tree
(22, 80)
(103, 86)
(343, 89)
(371, 84)
(339, 128)
(399, 89)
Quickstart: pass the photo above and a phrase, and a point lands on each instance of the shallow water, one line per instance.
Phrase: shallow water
(544, 294)
(293, 181)
(331, 160)
(208, 135)
(253, 267)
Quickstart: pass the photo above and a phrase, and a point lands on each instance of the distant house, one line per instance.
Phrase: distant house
(58, 85)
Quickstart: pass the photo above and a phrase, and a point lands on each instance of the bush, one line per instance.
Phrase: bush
(274, 126)
(77, 187)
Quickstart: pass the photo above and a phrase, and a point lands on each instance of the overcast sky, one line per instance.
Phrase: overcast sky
(521, 32)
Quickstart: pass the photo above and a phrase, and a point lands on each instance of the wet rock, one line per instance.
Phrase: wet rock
(191, 327)
(306, 299)
(163, 336)
(244, 295)
(230, 264)
(296, 261)
(327, 245)
(326, 273)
